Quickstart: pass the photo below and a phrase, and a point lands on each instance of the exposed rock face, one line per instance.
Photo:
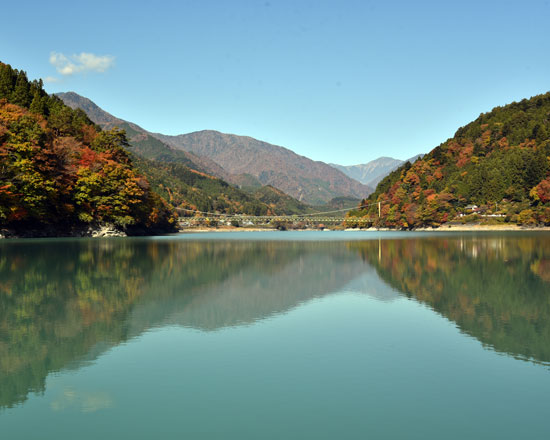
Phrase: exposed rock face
(106, 231)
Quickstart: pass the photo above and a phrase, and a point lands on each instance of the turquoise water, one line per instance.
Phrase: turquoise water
(276, 335)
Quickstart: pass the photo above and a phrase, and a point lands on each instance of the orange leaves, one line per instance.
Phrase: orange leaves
(87, 157)
(411, 213)
(10, 113)
(486, 137)
(503, 143)
(542, 191)
(398, 196)
(5, 189)
(60, 169)
(88, 133)
(411, 178)
(465, 156)
(430, 195)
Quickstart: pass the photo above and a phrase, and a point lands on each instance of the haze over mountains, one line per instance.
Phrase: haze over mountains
(371, 173)
(240, 160)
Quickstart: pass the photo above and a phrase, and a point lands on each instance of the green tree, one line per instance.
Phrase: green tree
(21, 93)
(38, 104)
(7, 81)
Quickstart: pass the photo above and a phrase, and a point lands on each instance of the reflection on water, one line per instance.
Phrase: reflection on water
(64, 302)
(496, 289)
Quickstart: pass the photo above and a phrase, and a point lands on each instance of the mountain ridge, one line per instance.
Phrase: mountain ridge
(141, 141)
(372, 172)
(234, 158)
(185, 179)
(303, 178)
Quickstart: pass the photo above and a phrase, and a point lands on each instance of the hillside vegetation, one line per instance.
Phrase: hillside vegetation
(141, 142)
(58, 168)
(192, 190)
(186, 180)
(309, 181)
(499, 163)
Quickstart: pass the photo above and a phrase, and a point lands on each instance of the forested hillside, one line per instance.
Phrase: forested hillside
(309, 181)
(186, 180)
(58, 168)
(189, 189)
(141, 141)
(499, 163)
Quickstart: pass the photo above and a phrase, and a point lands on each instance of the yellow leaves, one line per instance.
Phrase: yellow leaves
(85, 217)
(541, 268)
(534, 194)
(48, 177)
(412, 178)
(526, 217)
(486, 137)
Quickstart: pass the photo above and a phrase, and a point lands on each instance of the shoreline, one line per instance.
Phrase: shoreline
(443, 228)
(107, 231)
(504, 228)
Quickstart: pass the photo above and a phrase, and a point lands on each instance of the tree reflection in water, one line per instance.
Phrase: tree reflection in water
(64, 302)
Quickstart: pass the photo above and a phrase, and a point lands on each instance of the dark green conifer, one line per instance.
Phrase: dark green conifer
(21, 93)
(38, 104)
(6, 81)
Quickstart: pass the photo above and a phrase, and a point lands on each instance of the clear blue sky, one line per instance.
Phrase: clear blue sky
(338, 81)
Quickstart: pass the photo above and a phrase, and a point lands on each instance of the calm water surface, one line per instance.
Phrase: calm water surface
(276, 335)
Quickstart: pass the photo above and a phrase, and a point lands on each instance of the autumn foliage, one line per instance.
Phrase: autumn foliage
(500, 163)
(58, 168)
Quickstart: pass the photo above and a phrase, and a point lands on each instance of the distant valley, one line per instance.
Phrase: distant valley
(371, 173)
(241, 160)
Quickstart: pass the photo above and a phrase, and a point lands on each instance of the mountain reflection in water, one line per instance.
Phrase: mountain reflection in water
(64, 302)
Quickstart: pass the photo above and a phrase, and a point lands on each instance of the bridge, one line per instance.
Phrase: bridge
(315, 219)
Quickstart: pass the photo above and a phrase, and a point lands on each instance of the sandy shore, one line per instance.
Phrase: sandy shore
(444, 228)
(474, 228)
(225, 229)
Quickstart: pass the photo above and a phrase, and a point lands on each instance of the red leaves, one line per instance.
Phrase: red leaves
(87, 157)
(543, 190)
(4, 189)
(465, 156)
(88, 133)
(412, 178)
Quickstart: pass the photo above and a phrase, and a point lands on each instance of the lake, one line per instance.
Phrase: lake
(276, 335)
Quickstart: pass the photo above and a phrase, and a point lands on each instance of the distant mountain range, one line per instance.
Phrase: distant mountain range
(371, 173)
(241, 160)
